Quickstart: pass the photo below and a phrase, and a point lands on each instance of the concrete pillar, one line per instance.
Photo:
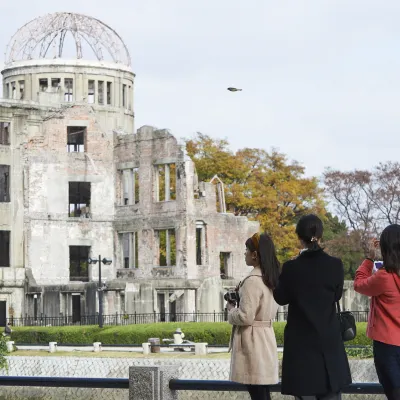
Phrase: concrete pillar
(146, 348)
(200, 349)
(97, 347)
(52, 347)
(152, 383)
(10, 346)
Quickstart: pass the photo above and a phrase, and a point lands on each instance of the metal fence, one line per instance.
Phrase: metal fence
(174, 384)
(136, 318)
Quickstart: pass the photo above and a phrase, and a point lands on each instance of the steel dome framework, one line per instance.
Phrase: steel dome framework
(44, 35)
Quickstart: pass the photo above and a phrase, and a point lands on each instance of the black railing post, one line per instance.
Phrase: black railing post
(135, 318)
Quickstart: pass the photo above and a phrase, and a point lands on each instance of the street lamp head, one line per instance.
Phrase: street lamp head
(106, 261)
(92, 261)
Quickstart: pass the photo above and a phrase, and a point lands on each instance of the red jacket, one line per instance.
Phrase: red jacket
(384, 289)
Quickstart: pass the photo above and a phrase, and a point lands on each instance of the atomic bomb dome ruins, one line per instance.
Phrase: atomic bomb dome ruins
(77, 181)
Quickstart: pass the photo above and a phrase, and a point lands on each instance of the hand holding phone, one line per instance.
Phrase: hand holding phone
(377, 266)
(373, 247)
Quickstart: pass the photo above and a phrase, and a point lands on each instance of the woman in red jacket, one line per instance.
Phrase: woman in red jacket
(383, 328)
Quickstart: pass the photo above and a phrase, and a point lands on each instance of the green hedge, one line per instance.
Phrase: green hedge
(211, 333)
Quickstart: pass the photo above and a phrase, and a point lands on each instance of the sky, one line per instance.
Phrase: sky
(320, 79)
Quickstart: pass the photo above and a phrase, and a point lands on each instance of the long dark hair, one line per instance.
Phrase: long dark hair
(269, 263)
(309, 229)
(390, 248)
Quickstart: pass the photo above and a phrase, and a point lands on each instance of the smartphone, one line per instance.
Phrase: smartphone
(377, 266)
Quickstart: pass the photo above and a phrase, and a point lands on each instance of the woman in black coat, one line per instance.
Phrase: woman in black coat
(314, 360)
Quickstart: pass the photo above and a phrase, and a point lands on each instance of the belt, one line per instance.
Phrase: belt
(262, 324)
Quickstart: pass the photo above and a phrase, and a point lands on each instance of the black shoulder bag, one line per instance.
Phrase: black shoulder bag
(347, 322)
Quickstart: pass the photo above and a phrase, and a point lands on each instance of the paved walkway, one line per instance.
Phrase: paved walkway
(118, 348)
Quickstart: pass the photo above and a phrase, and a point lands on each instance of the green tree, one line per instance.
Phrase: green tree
(3, 352)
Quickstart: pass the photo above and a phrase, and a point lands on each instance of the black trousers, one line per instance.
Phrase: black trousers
(387, 364)
(259, 392)
(329, 396)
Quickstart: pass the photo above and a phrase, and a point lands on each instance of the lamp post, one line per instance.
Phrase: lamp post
(105, 261)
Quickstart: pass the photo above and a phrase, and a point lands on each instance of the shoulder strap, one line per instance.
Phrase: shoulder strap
(247, 277)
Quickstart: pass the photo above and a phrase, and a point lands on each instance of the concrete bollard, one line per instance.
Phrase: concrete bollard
(146, 348)
(97, 347)
(200, 349)
(152, 383)
(52, 347)
(10, 346)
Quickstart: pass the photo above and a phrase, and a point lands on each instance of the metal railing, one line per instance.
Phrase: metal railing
(174, 384)
(51, 381)
(228, 386)
(142, 318)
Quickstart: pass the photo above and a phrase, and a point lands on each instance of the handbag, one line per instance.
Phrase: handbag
(347, 322)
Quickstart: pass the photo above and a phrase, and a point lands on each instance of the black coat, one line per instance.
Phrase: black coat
(314, 359)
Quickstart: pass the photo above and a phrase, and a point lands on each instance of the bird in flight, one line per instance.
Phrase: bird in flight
(232, 89)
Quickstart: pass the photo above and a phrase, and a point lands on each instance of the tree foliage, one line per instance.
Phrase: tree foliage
(260, 185)
(366, 200)
(341, 242)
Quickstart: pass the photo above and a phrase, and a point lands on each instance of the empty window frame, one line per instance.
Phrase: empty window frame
(55, 85)
(130, 98)
(43, 84)
(91, 92)
(79, 199)
(7, 93)
(4, 248)
(4, 183)
(14, 90)
(78, 263)
(124, 96)
(76, 136)
(200, 243)
(130, 250)
(166, 246)
(69, 90)
(109, 91)
(21, 89)
(101, 92)
(4, 133)
(224, 263)
(165, 182)
(130, 186)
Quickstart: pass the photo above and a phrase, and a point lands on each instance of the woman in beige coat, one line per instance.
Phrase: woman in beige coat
(254, 360)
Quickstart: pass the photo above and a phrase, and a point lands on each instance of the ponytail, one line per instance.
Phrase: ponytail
(269, 264)
(310, 229)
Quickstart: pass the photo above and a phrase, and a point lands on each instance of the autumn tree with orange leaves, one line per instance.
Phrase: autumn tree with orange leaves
(260, 185)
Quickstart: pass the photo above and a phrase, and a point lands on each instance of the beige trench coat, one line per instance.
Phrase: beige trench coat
(254, 358)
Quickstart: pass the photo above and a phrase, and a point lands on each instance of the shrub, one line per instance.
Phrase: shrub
(364, 352)
(213, 333)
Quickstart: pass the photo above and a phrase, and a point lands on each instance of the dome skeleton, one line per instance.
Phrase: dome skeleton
(34, 40)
